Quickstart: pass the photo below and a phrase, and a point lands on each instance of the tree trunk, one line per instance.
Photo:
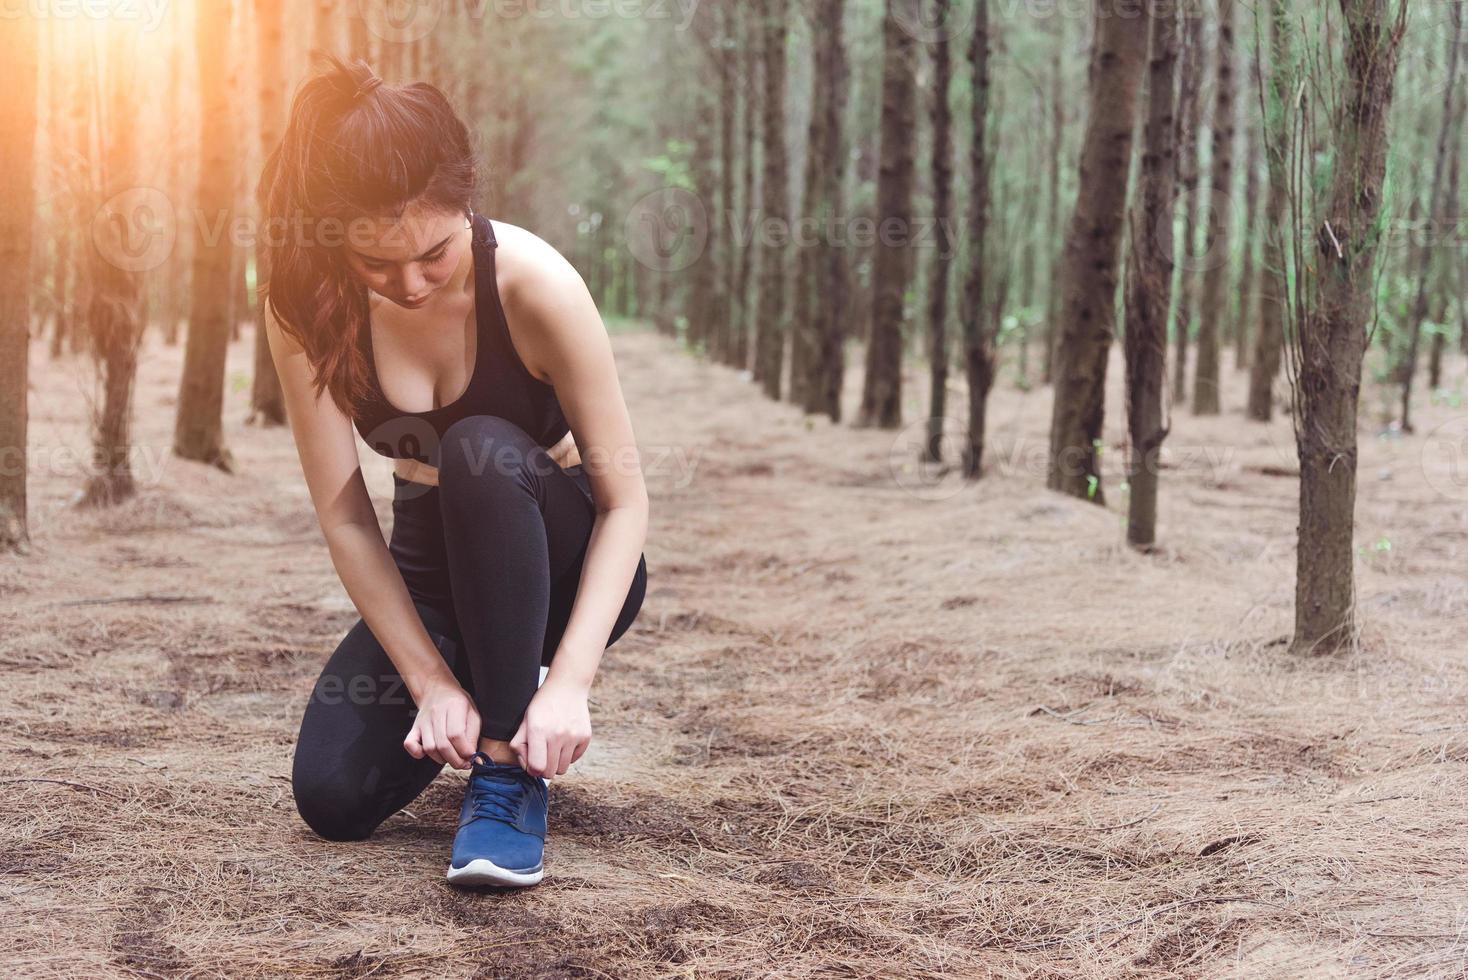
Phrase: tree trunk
(1088, 271)
(1190, 128)
(1408, 366)
(834, 277)
(978, 337)
(199, 427)
(1149, 285)
(728, 107)
(769, 353)
(1333, 335)
(881, 399)
(810, 255)
(1052, 222)
(267, 402)
(750, 37)
(20, 53)
(1449, 272)
(1244, 322)
(942, 190)
(1214, 304)
(114, 314)
(1273, 283)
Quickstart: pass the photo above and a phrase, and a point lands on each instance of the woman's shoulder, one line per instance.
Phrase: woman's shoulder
(542, 295)
(527, 264)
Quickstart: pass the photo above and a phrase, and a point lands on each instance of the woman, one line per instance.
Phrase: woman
(469, 351)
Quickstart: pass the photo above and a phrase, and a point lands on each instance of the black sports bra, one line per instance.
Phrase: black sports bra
(499, 383)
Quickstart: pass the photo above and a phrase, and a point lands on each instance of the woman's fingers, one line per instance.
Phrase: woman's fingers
(537, 754)
(430, 744)
(472, 725)
(566, 755)
(414, 742)
(460, 737)
(518, 745)
(445, 726)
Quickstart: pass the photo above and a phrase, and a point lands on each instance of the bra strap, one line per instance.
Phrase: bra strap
(483, 230)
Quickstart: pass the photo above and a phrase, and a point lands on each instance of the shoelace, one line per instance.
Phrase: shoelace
(496, 794)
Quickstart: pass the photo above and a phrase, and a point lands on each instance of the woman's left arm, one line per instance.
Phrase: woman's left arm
(561, 338)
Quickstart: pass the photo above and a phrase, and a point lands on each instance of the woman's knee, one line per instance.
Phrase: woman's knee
(332, 808)
(479, 446)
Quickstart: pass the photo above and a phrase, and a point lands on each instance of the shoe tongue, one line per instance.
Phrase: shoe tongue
(499, 770)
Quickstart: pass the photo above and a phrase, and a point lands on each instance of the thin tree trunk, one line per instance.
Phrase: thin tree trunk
(1408, 367)
(810, 256)
(1333, 335)
(1088, 271)
(1052, 222)
(1273, 284)
(769, 354)
(1149, 285)
(942, 175)
(728, 107)
(835, 285)
(978, 337)
(1449, 271)
(1244, 322)
(20, 53)
(750, 60)
(199, 427)
(114, 315)
(267, 402)
(1190, 129)
(881, 400)
(1214, 304)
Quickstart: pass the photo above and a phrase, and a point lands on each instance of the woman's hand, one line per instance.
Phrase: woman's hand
(446, 727)
(555, 731)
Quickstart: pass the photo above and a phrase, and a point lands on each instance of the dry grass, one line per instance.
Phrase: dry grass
(859, 730)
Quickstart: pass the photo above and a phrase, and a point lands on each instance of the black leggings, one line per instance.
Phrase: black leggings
(492, 558)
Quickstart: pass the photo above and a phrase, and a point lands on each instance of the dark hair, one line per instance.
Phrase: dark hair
(352, 147)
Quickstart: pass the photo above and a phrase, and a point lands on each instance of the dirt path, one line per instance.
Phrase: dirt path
(863, 726)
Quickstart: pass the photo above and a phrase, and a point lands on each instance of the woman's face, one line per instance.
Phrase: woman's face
(408, 259)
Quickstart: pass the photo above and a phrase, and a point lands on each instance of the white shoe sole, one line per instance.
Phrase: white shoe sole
(482, 871)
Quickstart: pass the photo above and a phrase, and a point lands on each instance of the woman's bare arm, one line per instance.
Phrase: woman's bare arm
(328, 452)
(557, 330)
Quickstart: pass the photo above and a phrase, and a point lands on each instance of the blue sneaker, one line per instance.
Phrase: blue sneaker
(501, 833)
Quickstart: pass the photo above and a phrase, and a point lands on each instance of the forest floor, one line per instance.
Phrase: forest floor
(867, 725)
